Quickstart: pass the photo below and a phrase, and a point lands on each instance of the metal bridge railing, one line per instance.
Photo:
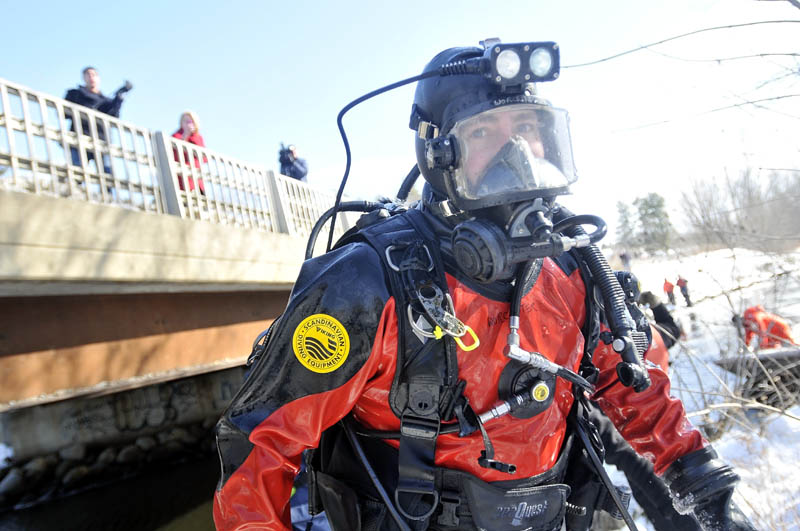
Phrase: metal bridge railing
(205, 185)
(54, 147)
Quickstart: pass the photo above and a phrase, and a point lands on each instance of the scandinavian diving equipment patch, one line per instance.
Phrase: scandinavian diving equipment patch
(321, 343)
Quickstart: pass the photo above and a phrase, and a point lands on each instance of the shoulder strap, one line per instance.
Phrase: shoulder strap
(427, 372)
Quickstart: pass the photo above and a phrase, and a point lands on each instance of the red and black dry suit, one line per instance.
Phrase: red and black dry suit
(284, 407)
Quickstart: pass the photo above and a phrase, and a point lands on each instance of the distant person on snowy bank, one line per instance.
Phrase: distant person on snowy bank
(683, 284)
(626, 260)
(773, 330)
(669, 330)
(669, 289)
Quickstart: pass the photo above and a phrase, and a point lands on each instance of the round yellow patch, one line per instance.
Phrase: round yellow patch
(321, 343)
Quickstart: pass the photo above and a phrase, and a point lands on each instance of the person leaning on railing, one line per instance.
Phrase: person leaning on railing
(89, 95)
(189, 131)
(292, 165)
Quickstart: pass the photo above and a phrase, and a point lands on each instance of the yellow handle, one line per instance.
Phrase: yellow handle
(475, 341)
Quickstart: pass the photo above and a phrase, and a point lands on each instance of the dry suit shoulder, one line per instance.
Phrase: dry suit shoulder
(355, 268)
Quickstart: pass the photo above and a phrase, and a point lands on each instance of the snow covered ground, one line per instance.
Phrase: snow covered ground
(764, 447)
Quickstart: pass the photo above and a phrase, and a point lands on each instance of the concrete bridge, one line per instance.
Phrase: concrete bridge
(131, 263)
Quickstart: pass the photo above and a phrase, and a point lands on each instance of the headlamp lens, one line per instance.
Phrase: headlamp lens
(541, 62)
(508, 64)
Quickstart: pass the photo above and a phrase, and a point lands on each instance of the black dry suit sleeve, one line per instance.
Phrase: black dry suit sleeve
(702, 483)
(323, 340)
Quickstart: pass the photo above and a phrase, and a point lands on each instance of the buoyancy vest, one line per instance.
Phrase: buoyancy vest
(427, 397)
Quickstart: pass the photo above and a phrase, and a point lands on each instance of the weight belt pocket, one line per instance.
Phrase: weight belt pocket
(539, 508)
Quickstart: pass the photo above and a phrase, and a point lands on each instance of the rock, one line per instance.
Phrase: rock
(129, 454)
(62, 468)
(107, 456)
(146, 443)
(182, 435)
(75, 475)
(75, 452)
(156, 416)
(172, 446)
(35, 468)
(13, 482)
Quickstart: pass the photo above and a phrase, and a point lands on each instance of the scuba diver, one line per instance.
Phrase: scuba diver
(441, 362)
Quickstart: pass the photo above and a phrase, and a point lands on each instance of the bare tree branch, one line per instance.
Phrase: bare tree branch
(646, 46)
(723, 59)
(795, 3)
(735, 105)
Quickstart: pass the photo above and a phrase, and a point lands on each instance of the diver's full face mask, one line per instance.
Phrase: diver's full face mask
(506, 165)
(511, 153)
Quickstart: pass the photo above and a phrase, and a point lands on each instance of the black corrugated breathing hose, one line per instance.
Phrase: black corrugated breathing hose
(631, 371)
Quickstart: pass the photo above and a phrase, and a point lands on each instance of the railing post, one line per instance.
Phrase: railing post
(281, 222)
(166, 181)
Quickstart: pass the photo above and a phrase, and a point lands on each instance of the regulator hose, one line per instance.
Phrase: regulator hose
(347, 206)
(626, 339)
(408, 183)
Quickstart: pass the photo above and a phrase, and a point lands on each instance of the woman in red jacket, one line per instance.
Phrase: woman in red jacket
(189, 131)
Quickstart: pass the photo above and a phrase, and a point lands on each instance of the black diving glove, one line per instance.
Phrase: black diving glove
(701, 483)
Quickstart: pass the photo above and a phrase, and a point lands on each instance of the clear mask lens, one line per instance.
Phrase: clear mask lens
(513, 149)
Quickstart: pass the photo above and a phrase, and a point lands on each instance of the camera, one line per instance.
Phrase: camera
(285, 156)
(127, 86)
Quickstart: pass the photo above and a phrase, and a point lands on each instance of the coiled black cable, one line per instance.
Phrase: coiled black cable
(347, 206)
(408, 183)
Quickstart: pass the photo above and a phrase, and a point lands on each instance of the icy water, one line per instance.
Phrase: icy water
(173, 499)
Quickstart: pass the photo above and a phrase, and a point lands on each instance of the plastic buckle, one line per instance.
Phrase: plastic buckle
(419, 427)
(450, 502)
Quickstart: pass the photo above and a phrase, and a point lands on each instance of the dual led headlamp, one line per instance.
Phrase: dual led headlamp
(519, 63)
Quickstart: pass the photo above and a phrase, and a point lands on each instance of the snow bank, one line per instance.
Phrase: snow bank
(763, 447)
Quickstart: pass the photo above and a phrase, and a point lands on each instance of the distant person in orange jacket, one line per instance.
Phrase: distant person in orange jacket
(772, 329)
(189, 131)
(669, 289)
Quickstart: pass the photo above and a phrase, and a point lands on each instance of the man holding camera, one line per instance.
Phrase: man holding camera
(291, 165)
(89, 95)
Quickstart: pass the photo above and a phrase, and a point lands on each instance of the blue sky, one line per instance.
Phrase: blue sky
(259, 73)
